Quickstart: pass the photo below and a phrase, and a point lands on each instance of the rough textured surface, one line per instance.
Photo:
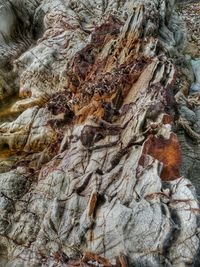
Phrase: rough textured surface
(92, 171)
(187, 103)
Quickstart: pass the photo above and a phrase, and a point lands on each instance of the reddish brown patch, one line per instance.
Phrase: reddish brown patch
(95, 80)
(110, 28)
(167, 119)
(91, 259)
(89, 256)
(167, 151)
(85, 61)
(106, 88)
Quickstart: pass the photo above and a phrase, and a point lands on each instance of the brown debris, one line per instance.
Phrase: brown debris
(58, 104)
(107, 88)
(89, 256)
(94, 83)
(167, 119)
(91, 259)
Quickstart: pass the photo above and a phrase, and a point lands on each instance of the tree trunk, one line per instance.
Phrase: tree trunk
(98, 147)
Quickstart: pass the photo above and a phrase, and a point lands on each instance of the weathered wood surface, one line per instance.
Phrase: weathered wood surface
(91, 172)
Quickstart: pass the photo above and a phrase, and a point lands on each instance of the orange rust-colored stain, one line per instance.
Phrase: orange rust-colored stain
(92, 204)
(94, 109)
(167, 151)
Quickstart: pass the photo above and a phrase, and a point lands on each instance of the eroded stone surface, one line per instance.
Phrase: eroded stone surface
(95, 178)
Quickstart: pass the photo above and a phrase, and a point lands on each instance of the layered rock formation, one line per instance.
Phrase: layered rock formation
(91, 165)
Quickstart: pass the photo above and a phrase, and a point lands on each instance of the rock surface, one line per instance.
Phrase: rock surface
(98, 151)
